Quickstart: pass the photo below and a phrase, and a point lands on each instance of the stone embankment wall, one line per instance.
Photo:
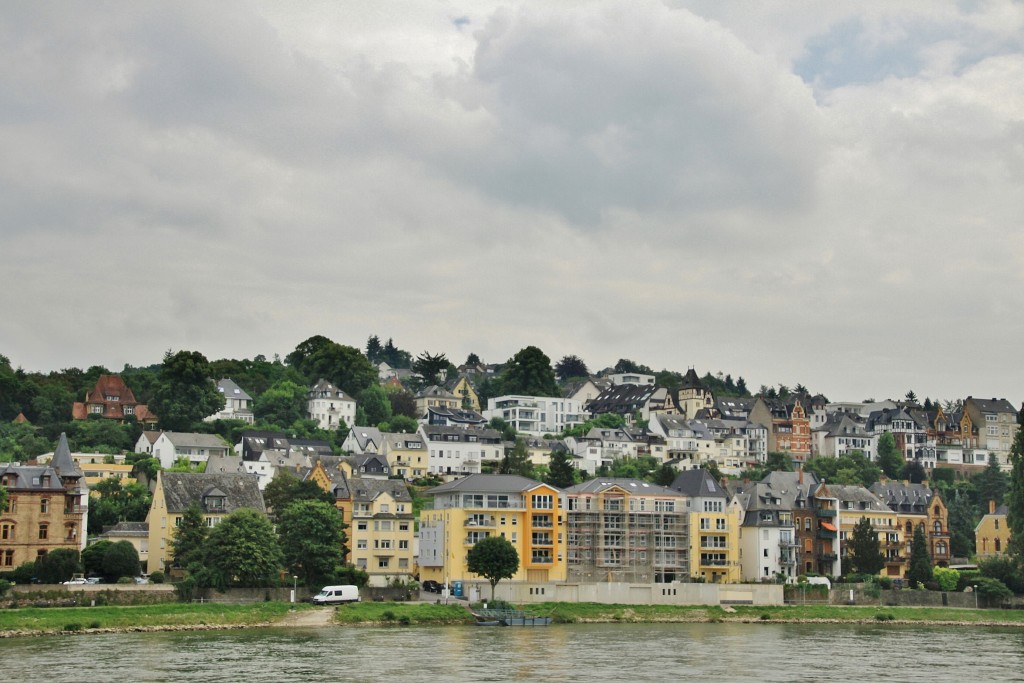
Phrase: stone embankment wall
(629, 593)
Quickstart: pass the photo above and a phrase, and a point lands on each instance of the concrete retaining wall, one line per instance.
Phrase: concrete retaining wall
(629, 593)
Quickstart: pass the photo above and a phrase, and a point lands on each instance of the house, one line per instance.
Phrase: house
(631, 378)
(146, 441)
(111, 399)
(381, 528)
(992, 534)
(453, 417)
(237, 403)
(789, 429)
(437, 397)
(693, 400)
(586, 389)
(526, 512)
(814, 513)
(457, 451)
(691, 443)
(536, 415)
(714, 527)
(841, 434)
(367, 466)
(330, 406)
(216, 494)
(363, 440)
(854, 503)
(910, 432)
(626, 530)
(996, 424)
(196, 448)
(136, 533)
(463, 389)
(630, 401)
(407, 455)
(47, 508)
(768, 546)
(917, 505)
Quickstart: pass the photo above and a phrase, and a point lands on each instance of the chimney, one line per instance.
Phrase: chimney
(992, 506)
(800, 474)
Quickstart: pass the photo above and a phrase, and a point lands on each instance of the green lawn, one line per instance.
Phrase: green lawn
(51, 619)
(402, 613)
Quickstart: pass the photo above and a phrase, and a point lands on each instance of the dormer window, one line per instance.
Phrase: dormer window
(216, 503)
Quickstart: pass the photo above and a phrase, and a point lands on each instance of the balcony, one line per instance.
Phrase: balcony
(827, 557)
(826, 534)
(541, 559)
(826, 512)
(74, 510)
(480, 522)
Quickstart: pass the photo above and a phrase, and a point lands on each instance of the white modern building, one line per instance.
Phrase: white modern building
(237, 403)
(536, 415)
(330, 406)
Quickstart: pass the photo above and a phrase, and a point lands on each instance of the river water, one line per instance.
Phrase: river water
(590, 653)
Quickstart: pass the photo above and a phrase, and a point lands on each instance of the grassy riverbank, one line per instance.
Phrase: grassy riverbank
(186, 615)
(402, 613)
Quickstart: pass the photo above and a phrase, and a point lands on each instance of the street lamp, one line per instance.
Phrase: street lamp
(975, 597)
(295, 586)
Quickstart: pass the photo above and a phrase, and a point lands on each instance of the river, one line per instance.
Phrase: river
(587, 653)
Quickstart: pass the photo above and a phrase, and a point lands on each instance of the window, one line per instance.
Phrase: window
(542, 502)
(44, 505)
(177, 521)
(403, 526)
(9, 558)
(383, 562)
(403, 545)
(361, 544)
(7, 531)
(212, 521)
(714, 506)
(44, 532)
(385, 508)
(361, 526)
(720, 524)
(705, 523)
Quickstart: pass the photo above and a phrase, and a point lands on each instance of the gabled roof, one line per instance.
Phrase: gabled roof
(32, 477)
(637, 486)
(903, 497)
(325, 389)
(366, 490)
(857, 495)
(487, 483)
(435, 391)
(232, 390)
(364, 436)
(698, 484)
(994, 405)
(622, 398)
(126, 530)
(182, 489)
(195, 440)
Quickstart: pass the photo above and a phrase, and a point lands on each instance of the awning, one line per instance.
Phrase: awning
(827, 526)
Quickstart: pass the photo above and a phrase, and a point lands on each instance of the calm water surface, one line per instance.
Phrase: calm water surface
(591, 653)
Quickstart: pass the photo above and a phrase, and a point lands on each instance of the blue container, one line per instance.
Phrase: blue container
(457, 589)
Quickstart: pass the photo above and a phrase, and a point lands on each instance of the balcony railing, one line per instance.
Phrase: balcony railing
(827, 557)
(826, 534)
(825, 512)
(74, 510)
(479, 522)
(542, 560)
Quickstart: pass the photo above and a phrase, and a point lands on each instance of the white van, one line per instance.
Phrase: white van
(330, 595)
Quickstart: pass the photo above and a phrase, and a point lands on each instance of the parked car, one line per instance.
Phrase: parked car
(93, 580)
(431, 586)
(78, 581)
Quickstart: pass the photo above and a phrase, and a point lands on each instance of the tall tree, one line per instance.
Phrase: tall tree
(494, 558)
(312, 538)
(285, 488)
(345, 366)
(58, 565)
(865, 549)
(120, 559)
(243, 550)
(963, 518)
(561, 473)
(472, 359)
(185, 394)
(571, 366)
(889, 457)
(376, 405)
(529, 373)
(991, 483)
(374, 349)
(281, 404)
(920, 570)
(189, 537)
(429, 367)
(517, 461)
(1015, 497)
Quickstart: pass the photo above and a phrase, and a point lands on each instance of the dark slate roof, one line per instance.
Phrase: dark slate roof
(440, 415)
(30, 477)
(62, 461)
(486, 483)
(124, 529)
(691, 380)
(631, 485)
(483, 435)
(901, 497)
(861, 497)
(240, 490)
(366, 490)
(698, 484)
(621, 399)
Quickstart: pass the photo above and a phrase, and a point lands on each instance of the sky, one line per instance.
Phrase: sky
(819, 193)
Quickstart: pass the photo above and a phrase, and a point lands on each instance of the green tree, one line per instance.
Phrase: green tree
(285, 488)
(779, 462)
(312, 538)
(494, 558)
(529, 373)
(991, 484)
(3, 498)
(571, 366)
(400, 424)
(185, 394)
(189, 537)
(376, 405)
(889, 457)
(626, 365)
(1015, 495)
(864, 549)
(561, 473)
(120, 559)
(58, 565)
(117, 502)
(92, 557)
(948, 579)
(282, 404)
(243, 550)
(345, 366)
(517, 461)
(403, 403)
(920, 571)
(508, 432)
(666, 474)
(429, 367)
(963, 518)
(374, 349)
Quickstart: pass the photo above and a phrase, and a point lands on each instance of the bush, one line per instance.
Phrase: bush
(885, 582)
(948, 579)
(125, 580)
(766, 617)
(968, 578)
(94, 624)
(1006, 569)
(156, 577)
(74, 626)
(388, 615)
(5, 586)
(884, 616)
(24, 573)
(993, 591)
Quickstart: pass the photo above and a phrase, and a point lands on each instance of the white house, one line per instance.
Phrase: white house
(237, 403)
(197, 448)
(458, 451)
(536, 415)
(330, 406)
(631, 378)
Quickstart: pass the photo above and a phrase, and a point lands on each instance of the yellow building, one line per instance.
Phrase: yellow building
(407, 455)
(526, 512)
(97, 472)
(46, 509)
(381, 527)
(216, 494)
(992, 535)
(714, 528)
(855, 502)
(464, 391)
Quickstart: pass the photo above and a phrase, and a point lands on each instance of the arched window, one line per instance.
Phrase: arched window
(938, 527)
(999, 546)
(940, 548)
(910, 528)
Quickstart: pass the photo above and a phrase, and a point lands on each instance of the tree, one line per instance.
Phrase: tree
(626, 365)
(285, 489)
(920, 571)
(914, 472)
(3, 498)
(243, 550)
(189, 537)
(472, 359)
(508, 432)
(374, 350)
(911, 396)
(889, 457)
(401, 424)
(185, 394)
(282, 404)
(1015, 495)
(517, 461)
(571, 366)
(120, 559)
(403, 403)
(429, 367)
(345, 366)
(529, 373)
(118, 503)
(991, 483)
(963, 518)
(865, 549)
(376, 405)
(493, 558)
(92, 557)
(779, 462)
(312, 538)
(561, 473)
(665, 475)
(57, 566)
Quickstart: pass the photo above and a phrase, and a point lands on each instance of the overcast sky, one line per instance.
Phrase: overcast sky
(828, 196)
